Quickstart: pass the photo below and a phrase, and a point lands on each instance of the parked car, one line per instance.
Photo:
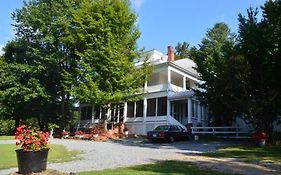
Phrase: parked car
(168, 133)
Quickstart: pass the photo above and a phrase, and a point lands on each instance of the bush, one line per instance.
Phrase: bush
(7, 127)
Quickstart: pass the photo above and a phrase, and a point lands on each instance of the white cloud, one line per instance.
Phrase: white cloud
(137, 3)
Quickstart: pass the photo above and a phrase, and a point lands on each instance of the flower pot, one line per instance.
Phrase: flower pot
(32, 161)
(260, 143)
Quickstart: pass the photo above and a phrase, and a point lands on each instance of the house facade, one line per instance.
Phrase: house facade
(168, 98)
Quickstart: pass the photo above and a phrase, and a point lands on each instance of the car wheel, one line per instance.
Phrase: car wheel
(171, 139)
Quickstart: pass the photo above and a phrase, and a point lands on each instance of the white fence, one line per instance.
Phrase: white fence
(218, 130)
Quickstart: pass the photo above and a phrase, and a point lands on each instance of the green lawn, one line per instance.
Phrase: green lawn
(250, 153)
(57, 153)
(159, 168)
(7, 137)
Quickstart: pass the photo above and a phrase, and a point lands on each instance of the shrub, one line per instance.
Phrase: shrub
(7, 127)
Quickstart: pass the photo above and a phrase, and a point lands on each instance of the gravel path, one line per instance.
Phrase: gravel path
(102, 155)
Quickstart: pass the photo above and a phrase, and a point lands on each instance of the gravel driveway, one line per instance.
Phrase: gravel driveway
(111, 154)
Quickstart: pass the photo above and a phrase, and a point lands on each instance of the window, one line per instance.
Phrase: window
(86, 112)
(130, 110)
(162, 106)
(97, 113)
(151, 107)
(176, 79)
(139, 110)
(158, 78)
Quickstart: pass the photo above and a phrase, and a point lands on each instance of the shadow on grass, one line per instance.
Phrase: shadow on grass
(158, 168)
(250, 153)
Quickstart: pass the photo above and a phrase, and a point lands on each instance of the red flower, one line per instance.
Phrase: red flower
(31, 140)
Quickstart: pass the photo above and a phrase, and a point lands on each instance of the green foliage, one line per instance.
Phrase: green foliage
(67, 51)
(7, 127)
(243, 77)
(158, 168)
(108, 74)
(182, 50)
(260, 44)
(211, 60)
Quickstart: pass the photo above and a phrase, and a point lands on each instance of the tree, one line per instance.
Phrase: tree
(210, 60)
(107, 38)
(182, 50)
(260, 44)
(20, 90)
(44, 26)
(83, 50)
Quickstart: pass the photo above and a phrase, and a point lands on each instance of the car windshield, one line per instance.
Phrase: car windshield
(162, 128)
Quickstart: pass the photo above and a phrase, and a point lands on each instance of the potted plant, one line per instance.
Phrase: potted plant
(260, 138)
(32, 157)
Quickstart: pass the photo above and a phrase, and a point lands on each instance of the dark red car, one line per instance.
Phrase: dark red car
(168, 133)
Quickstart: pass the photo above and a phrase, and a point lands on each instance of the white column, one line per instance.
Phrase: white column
(169, 76)
(198, 112)
(93, 113)
(168, 110)
(144, 114)
(108, 113)
(189, 107)
(184, 84)
(79, 117)
(125, 111)
(118, 113)
(202, 113)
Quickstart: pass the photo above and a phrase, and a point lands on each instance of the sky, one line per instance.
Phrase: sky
(161, 22)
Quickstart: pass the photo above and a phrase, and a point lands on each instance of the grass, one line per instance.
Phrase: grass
(250, 153)
(7, 137)
(57, 153)
(159, 168)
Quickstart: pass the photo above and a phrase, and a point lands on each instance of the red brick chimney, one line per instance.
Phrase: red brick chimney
(171, 54)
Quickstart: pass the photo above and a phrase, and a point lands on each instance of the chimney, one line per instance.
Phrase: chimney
(171, 54)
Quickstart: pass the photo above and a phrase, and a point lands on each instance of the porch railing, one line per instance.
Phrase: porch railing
(218, 130)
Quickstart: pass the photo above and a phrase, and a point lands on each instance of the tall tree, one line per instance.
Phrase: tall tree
(44, 25)
(107, 38)
(182, 50)
(84, 49)
(260, 44)
(210, 60)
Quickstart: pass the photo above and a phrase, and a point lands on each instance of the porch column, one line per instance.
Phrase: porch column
(189, 107)
(198, 113)
(184, 84)
(93, 113)
(169, 76)
(79, 116)
(144, 114)
(202, 113)
(168, 110)
(125, 111)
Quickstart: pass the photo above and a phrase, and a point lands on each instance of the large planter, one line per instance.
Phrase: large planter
(32, 161)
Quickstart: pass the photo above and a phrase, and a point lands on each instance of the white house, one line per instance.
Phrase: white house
(168, 98)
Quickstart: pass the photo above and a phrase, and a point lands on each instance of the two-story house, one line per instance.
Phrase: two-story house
(168, 98)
